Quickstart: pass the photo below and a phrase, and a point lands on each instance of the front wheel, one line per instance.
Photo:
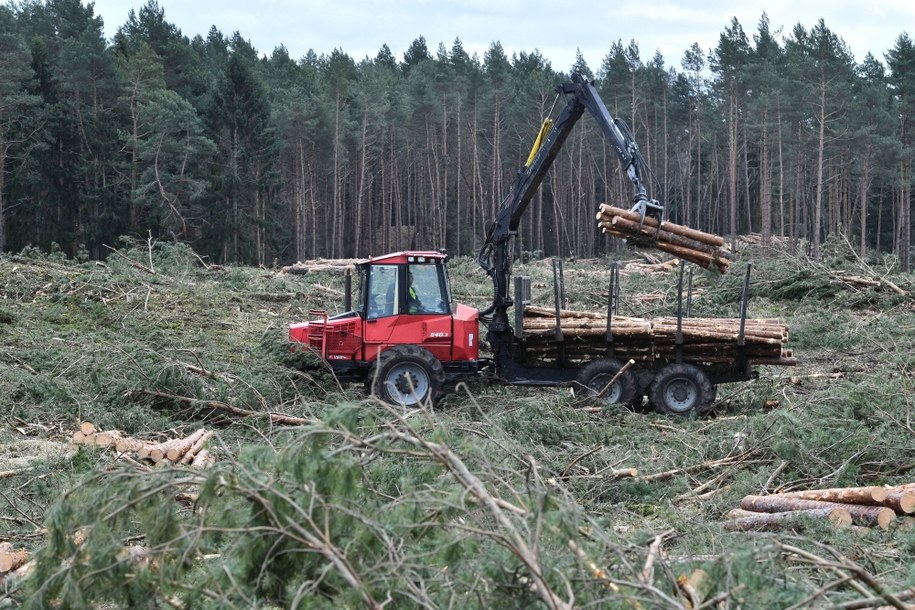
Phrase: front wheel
(681, 390)
(408, 376)
(595, 376)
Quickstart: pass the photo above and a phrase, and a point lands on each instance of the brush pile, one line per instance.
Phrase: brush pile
(703, 249)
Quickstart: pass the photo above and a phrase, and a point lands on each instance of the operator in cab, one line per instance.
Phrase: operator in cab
(414, 305)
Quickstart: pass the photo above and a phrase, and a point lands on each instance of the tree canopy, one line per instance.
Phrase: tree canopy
(253, 157)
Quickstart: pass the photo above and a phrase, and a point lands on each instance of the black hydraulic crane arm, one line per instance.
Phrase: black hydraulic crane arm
(495, 255)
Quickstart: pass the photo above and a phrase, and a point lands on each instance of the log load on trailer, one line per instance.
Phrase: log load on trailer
(404, 338)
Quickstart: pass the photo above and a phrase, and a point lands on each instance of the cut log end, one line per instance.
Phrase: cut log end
(11, 559)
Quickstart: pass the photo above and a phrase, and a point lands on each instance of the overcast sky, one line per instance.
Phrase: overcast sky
(556, 29)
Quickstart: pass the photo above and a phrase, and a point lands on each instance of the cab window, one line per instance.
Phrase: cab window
(383, 297)
(425, 289)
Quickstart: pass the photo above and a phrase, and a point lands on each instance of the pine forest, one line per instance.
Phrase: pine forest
(253, 158)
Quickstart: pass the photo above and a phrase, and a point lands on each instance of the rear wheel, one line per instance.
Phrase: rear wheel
(681, 390)
(407, 375)
(594, 377)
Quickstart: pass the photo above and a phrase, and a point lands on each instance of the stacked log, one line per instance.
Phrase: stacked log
(189, 450)
(708, 340)
(698, 247)
(11, 559)
(863, 506)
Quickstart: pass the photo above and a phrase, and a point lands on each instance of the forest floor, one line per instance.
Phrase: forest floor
(501, 497)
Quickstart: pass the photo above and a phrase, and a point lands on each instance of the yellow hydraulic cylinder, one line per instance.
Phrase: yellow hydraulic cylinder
(544, 130)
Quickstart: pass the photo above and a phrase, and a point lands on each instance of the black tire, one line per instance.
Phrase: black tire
(595, 376)
(407, 376)
(681, 390)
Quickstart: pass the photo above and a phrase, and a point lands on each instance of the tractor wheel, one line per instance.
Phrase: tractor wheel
(681, 390)
(407, 375)
(594, 377)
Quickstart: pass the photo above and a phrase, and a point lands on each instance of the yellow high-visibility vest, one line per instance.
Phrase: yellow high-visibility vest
(412, 300)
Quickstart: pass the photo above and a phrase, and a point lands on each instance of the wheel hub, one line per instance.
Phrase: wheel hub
(681, 395)
(406, 383)
(612, 394)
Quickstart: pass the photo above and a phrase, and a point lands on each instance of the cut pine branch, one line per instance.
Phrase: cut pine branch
(276, 418)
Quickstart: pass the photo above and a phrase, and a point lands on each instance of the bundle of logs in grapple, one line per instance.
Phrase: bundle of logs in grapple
(703, 249)
(708, 340)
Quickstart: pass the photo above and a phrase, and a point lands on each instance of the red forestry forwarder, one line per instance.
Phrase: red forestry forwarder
(404, 339)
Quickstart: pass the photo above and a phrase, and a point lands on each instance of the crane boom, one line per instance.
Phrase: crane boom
(495, 254)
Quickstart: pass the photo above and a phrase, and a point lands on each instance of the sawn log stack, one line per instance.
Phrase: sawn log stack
(877, 506)
(710, 340)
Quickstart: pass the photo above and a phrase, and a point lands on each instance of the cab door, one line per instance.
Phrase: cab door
(382, 308)
(426, 318)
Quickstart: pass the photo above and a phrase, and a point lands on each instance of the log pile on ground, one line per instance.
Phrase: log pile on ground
(189, 450)
(320, 264)
(709, 340)
(647, 268)
(881, 507)
(703, 249)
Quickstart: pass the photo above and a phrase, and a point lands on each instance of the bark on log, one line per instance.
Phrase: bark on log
(107, 438)
(692, 255)
(861, 515)
(174, 449)
(179, 448)
(196, 448)
(745, 520)
(903, 502)
(536, 310)
(662, 235)
(700, 236)
(130, 444)
(844, 495)
(203, 459)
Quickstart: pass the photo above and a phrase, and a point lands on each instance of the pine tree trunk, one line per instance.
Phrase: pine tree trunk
(765, 184)
(821, 152)
(3, 154)
(732, 172)
(862, 198)
(360, 188)
(781, 178)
